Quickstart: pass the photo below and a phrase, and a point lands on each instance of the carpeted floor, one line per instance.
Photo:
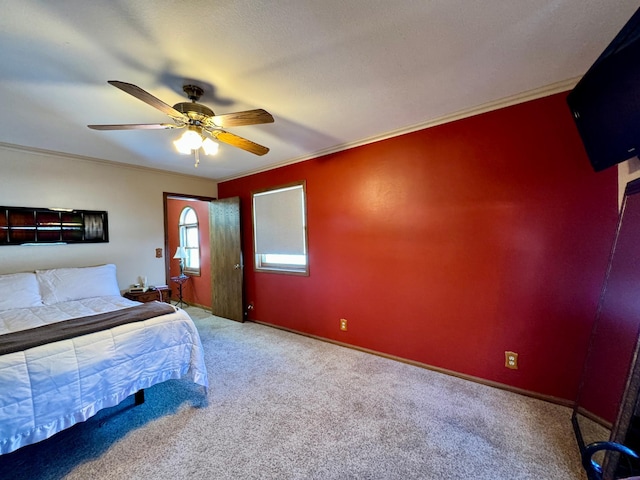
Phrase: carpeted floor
(283, 406)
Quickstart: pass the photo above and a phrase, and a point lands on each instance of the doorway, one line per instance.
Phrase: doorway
(196, 290)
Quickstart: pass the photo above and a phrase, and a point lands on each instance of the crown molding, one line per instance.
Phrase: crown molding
(523, 97)
(72, 156)
(469, 112)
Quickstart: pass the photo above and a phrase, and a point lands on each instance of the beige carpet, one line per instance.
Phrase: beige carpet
(283, 406)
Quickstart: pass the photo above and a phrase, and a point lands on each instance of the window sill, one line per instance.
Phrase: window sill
(283, 270)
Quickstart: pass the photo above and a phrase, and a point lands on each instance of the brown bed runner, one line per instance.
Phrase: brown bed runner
(74, 327)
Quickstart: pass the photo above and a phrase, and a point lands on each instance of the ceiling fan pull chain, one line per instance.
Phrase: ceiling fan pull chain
(196, 153)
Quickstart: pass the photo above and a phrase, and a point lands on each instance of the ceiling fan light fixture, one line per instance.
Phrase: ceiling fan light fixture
(209, 146)
(192, 138)
(182, 147)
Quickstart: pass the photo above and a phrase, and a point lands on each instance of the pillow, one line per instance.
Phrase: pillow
(19, 290)
(64, 284)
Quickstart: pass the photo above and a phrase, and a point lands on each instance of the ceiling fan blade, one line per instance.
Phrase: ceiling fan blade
(149, 99)
(135, 126)
(248, 117)
(239, 142)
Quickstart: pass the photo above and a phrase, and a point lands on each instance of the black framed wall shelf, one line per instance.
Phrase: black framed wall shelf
(25, 225)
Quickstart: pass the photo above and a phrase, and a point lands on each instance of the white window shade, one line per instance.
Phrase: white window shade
(280, 222)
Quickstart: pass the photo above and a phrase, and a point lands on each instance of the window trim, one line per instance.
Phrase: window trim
(259, 264)
(182, 229)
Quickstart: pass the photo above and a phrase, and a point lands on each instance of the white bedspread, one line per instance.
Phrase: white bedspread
(46, 389)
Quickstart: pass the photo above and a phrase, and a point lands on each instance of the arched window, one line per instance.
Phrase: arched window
(190, 240)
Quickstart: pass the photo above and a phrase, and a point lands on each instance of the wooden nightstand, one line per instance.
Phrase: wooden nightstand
(149, 296)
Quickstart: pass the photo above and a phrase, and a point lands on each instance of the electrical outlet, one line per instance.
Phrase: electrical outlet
(511, 360)
(158, 253)
(343, 324)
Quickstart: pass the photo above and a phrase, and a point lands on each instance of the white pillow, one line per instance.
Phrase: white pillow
(19, 290)
(64, 284)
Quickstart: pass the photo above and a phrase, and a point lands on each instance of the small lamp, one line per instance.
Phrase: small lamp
(181, 254)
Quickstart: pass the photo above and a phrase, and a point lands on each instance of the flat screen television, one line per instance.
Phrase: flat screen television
(606, 102)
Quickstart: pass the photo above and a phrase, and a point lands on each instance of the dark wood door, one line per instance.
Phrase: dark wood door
(226, 259)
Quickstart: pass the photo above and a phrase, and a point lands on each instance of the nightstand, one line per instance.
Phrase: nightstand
(149, 296)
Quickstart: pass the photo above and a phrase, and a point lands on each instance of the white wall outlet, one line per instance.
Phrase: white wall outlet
(511, 360)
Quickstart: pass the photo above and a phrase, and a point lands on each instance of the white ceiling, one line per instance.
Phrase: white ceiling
(333, 73)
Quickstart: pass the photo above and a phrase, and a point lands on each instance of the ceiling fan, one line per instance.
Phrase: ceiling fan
(197, 119)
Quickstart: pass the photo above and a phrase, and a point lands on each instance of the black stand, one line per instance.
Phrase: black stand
(180, 281)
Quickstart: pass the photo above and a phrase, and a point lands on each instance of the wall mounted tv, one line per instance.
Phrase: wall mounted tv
(606, 101)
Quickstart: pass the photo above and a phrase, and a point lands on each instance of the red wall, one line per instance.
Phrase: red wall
(198, 289)
(450, 245)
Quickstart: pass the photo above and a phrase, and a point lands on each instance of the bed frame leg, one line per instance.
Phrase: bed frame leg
(139, 397)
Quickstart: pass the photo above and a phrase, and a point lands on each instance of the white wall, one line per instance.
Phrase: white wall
(627, 171)
(132, 197)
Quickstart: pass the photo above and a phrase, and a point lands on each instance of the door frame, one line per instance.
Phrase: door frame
(181, 196)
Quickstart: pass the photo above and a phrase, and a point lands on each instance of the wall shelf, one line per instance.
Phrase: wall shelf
(25, 225)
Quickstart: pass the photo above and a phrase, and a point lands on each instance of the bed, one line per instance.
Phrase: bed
(51, 385)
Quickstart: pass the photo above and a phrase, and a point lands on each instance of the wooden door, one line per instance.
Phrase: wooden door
(226, 259)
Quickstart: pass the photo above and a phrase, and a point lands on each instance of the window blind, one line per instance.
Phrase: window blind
(279, 221)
